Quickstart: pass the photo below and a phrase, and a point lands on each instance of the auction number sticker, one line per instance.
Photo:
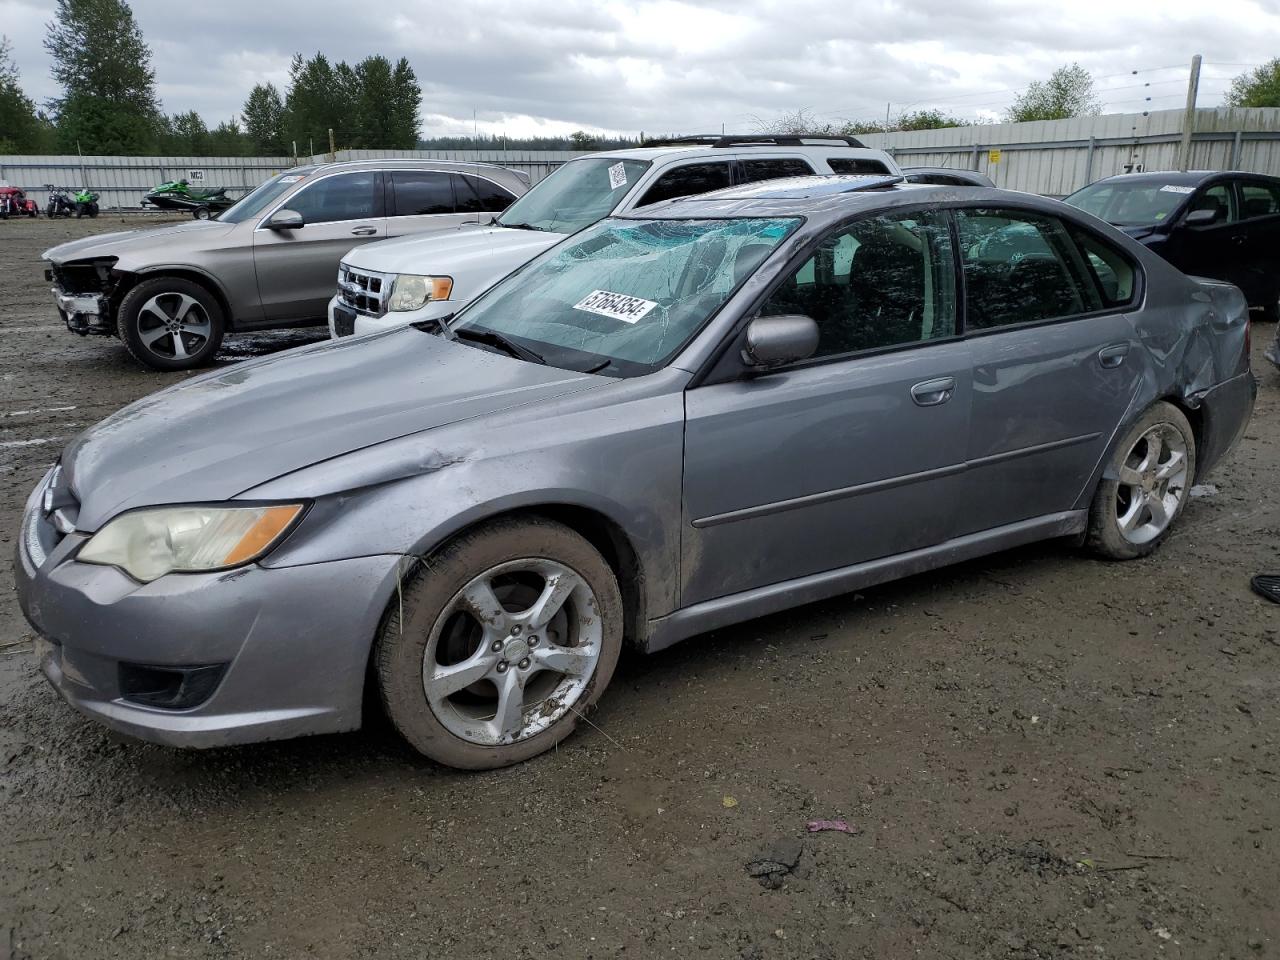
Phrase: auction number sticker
(293, 179)
(1174, 188)
(617, 306)
(617, 176)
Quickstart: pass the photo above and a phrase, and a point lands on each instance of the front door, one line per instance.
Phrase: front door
(1055, 361)
(851, 455)
(1257, 241)
(1209, 250)
(298, 269)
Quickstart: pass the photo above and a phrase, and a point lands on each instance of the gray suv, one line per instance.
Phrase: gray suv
(171, 293)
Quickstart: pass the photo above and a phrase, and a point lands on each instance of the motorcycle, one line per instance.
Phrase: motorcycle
(86, 203)
(14, 203)
(60, 203)
(180, 195)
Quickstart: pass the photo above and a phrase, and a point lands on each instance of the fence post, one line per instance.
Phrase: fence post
(1235, 151)
(1088, 162)
(973, 159)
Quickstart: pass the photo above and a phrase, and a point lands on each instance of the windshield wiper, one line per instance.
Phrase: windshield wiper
(440, 323)
(495, 339)
(522, 226)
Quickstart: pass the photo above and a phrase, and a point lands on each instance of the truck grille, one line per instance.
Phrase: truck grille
(363, 291)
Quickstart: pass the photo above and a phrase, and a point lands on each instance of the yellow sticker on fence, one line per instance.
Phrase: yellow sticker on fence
(993, 156)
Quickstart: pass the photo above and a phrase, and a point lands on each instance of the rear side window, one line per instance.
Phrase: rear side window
(477, 195)
(420, 193)
(1112, 271)
(1020, 267)
(855, 165)
(1258, 200)
(686, 181)
(754, 171)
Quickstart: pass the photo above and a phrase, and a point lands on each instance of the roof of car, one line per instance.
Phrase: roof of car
(826, 198)
(822, 147)
(1179, 177)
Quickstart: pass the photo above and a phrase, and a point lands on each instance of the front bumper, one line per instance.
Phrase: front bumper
(345, 322)
(84, 313)
(293, 641)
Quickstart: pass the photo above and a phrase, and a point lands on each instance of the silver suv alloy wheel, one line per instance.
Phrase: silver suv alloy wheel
(173, 326)
(512, 652)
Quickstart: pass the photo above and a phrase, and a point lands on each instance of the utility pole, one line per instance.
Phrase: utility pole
(1189, 119)
(333, 147)
(887, 108)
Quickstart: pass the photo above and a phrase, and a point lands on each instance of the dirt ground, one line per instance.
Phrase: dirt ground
(1039, 755)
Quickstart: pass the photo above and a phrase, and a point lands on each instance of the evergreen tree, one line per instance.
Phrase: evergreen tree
(402, 129)
(187, 135)
(104, 66)
(375, 107)
(21, 129)
(228, 140)
(264, 120)
(314, 103)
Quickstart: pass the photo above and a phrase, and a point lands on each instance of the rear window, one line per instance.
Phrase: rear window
(420, 193)
(1258, 200)
(1112, 271)
(686, 181)
(478, 195)
(753, 171)
(855, 165)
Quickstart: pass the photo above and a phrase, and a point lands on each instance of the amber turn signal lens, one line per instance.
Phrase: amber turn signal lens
(273, 522)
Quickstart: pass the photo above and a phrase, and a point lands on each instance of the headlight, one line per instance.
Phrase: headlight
(147, 544)
(410, 292)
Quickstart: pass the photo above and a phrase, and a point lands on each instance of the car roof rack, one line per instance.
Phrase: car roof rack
(718, 140)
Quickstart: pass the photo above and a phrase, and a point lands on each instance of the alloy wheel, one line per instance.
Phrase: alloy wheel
(512, 652)
(1153, 484)
(173, 326)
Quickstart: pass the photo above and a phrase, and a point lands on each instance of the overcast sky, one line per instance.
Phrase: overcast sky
(554, 66)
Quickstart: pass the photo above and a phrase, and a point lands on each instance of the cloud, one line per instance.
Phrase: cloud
(538, 66)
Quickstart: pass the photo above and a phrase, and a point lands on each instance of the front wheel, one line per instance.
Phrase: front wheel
(170, 324)
(495, 648)
(200, 213)
(1146, 485)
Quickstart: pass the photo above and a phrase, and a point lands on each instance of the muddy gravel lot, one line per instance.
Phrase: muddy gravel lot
(1038, 755)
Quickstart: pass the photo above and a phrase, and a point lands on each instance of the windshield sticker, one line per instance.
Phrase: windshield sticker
(617, 306)
(290, 179)
(617, 176)
(1174, 188)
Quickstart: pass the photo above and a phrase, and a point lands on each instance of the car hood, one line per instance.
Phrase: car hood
(191, 233)
(452, 252)
(215, 436)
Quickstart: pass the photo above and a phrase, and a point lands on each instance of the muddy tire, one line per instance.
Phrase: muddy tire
(170, 324)
(495, 647)
(1146, 486)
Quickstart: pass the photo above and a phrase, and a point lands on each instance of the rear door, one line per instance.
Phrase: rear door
(853, 454)
(298, 269)
(1257, 240)
(1054, 356)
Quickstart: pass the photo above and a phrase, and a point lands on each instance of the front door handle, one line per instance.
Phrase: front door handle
(1113, 355)
(364, 231)
(930, 393)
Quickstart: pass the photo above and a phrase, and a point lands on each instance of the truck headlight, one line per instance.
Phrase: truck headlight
(147, 544)
(411, 292)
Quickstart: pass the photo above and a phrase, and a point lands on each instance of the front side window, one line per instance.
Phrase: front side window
(263, 196)
(1219, 199)
(344, 196)
(882, 282)
(753, 171)
(625, 295)
(1019, 267)
(419, 193)
(1258, 200)
(576, 195)
(477, 195)
(687, 181)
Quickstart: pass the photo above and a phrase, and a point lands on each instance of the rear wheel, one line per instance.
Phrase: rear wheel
(170, 324)
(200, 213)
(495, 648)
(1149, 480)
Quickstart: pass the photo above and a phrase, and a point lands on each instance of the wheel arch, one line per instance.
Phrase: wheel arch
(131, 278)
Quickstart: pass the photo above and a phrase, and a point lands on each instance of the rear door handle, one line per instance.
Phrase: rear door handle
(1113, 355)
(930, 393)
(364, 231)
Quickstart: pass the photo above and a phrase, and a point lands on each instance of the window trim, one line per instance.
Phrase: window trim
(379, 195)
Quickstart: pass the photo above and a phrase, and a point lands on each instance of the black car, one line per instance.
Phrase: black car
(1223, 225)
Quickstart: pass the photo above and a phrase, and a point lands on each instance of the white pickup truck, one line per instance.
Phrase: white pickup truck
(413, 279)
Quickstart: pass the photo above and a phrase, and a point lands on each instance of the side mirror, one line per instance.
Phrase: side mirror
(286, 219)
(1201, 218)
(774, 341)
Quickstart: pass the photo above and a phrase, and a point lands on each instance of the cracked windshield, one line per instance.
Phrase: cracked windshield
(625, 295)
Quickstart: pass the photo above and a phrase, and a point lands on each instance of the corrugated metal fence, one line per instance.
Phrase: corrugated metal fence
(1058, 157)
(1052, 157)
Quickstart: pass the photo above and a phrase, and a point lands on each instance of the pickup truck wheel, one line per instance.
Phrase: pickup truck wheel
(497, 645)
(170, 324)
